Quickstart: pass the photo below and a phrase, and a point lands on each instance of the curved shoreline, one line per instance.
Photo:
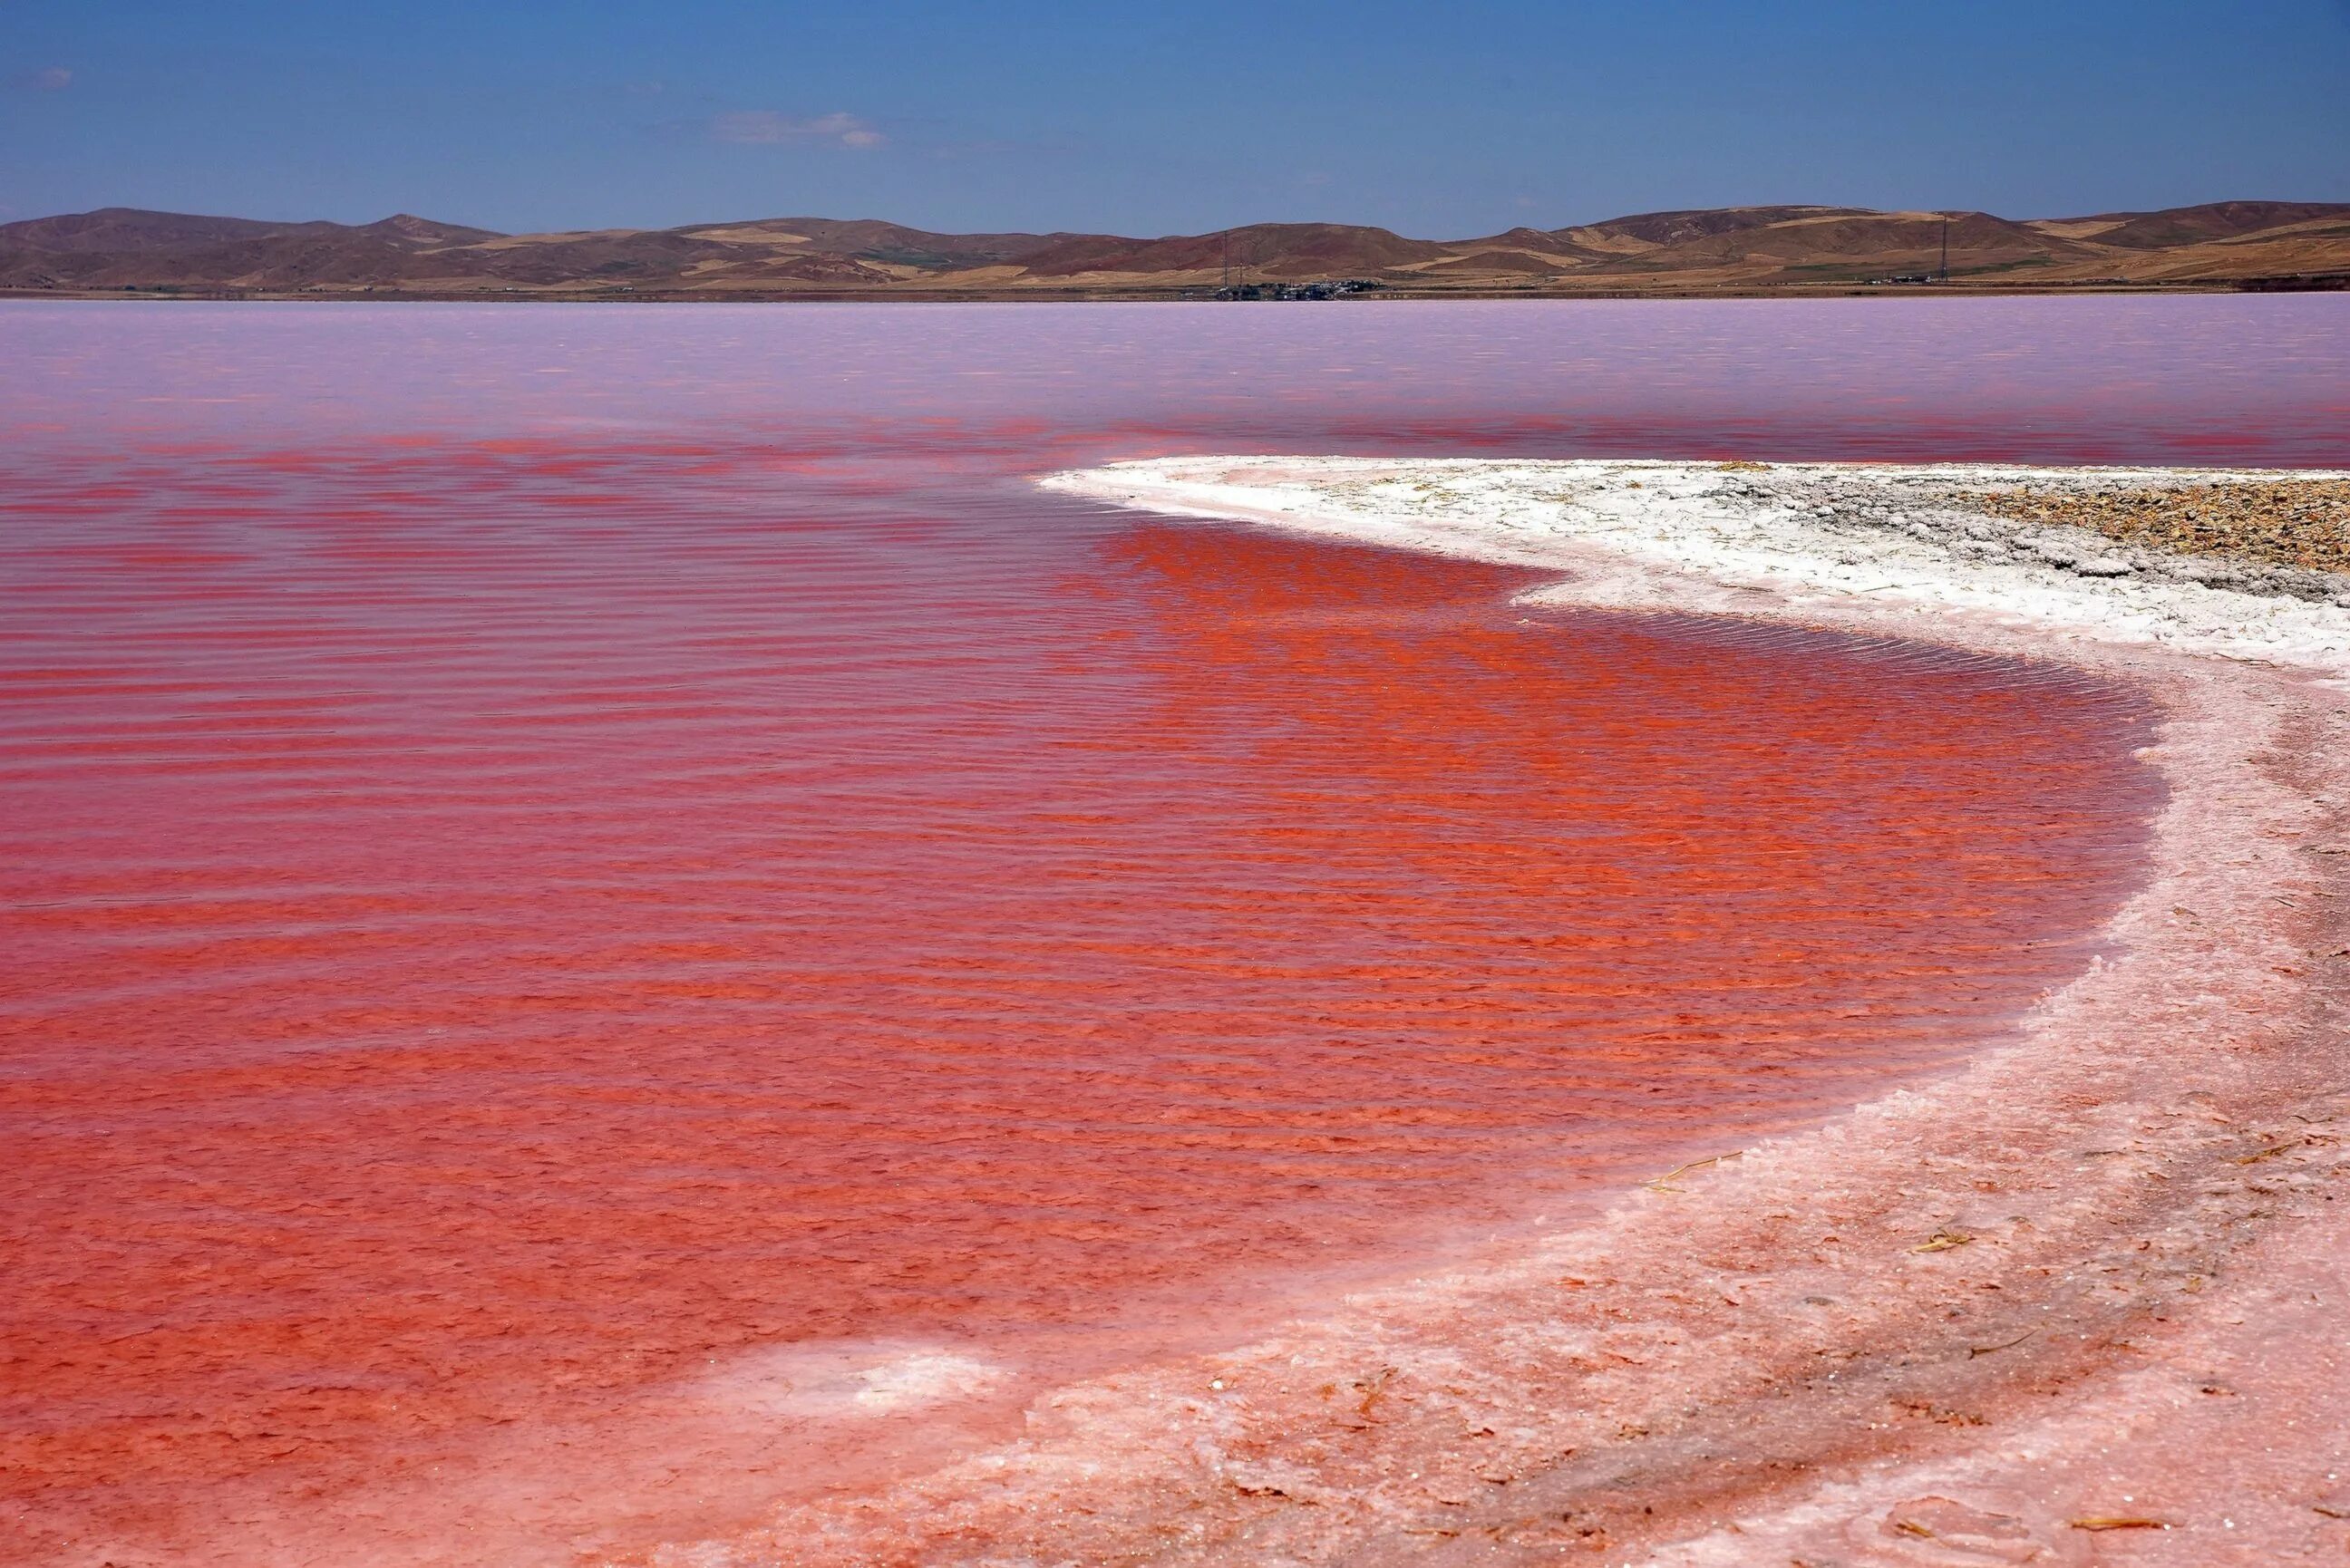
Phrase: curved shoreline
(2072, 1302)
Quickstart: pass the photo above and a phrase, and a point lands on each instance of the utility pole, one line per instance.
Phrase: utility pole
(1946, 247)
(1228, 261)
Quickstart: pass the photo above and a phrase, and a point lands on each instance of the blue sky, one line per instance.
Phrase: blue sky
(1433, 118)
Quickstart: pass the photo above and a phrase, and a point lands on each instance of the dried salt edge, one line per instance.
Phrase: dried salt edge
(1111, 1464)
(848, 1378)
(1701, 537)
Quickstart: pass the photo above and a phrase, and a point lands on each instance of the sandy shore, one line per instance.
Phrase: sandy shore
(2079, 1302)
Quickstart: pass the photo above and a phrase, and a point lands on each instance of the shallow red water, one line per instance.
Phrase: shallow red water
(504, 921)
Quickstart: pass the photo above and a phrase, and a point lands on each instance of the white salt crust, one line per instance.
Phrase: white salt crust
(830, 1380)
(1892, 546)
(2078, 1301)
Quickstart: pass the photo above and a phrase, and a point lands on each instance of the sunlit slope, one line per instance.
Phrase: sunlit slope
(1733, 249)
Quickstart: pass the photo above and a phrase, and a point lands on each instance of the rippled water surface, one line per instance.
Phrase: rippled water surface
(611, 918)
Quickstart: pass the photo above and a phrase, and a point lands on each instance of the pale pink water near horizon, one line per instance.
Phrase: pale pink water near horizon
(613, 921)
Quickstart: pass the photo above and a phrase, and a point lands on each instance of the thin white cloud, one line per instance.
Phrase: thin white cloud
(766, 128)
(49, 78)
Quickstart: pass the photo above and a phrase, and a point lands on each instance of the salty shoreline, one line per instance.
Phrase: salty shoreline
(2072, 1302)
(2140, 1183)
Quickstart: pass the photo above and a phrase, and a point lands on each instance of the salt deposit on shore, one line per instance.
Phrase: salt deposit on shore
(1890, 547)
(2076, 1302)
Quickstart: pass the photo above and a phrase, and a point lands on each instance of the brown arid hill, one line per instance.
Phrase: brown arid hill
(877, 244)
(1287, 253)
(1681, 227)
(2191, 225)
(1768, 250)
(1840, 245)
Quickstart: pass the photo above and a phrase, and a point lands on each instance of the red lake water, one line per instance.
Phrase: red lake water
(579, 880)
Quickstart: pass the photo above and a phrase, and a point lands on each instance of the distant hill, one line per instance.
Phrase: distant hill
(2214, 220)
(1681, 227)
(1728, 250)
(1285, 252)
